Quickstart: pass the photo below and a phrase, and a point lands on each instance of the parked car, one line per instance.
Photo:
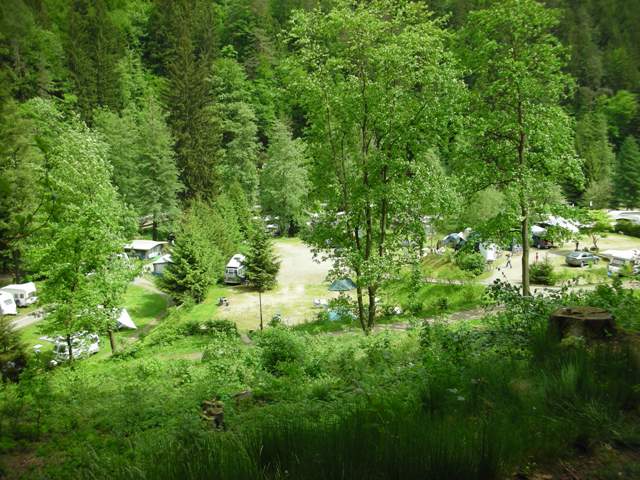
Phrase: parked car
(541, 243)
(581, 259)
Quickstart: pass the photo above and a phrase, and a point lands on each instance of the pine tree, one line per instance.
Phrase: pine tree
(261, 264)
(242, 208)
(160, 185)
(93, 48)
(627, 182)
(195, 260)
(286, 165)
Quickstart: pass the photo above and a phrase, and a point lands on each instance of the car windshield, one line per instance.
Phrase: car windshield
(576, 254)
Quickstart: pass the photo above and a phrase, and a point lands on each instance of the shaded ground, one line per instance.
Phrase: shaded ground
(300, 280)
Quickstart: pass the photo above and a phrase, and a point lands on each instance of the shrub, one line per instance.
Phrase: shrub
(541, 273)
(280, 348)
(470, 262)
(226, 327)
(628, 228)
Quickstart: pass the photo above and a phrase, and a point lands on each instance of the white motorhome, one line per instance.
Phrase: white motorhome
(7, 304)
(234, 273)
(24, 294)
(619, 260)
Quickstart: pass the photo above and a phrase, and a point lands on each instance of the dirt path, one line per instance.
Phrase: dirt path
(26, 320)
(300, 280)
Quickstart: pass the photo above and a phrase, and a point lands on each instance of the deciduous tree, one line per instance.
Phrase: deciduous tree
(523, 138)
(381, 92)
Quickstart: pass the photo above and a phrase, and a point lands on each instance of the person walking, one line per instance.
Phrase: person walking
(508, 264)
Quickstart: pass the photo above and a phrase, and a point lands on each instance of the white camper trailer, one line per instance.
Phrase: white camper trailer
(234, 273)
(24, 294)
(7, 304)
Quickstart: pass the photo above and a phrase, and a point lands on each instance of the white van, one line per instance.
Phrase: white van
(7, 304)
(24, 294)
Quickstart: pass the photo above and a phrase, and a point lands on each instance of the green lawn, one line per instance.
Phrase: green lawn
(143, 306)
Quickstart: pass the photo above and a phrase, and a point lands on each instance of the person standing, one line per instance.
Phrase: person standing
(508, 264)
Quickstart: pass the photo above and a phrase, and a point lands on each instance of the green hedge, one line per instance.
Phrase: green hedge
(628, 228)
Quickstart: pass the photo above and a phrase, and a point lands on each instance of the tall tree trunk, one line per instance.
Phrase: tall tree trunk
(112, 341)
(525, 251)
(363, 322)
(16, 262)
(372, 308)
(154, 228)
(69, 347)
(260, 301)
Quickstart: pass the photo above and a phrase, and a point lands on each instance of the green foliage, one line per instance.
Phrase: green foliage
(93, 48)
(260, 262)
(185, 51)
(240, 147)
(280, 349)
(592, 145)
(83, 232)
(519, 132)
(196, 260)
(140, 151)
(471, 262)
(286, 164)
(628, 228)
(541, 273)
(627, 180)
(380, 91)
(13, 357)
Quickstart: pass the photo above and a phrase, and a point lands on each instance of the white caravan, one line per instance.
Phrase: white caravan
(234, 272)
(24, 294)
(7, 304)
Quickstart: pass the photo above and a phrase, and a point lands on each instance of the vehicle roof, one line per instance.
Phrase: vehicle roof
(142, 245)
(23, 287)
(236, 261)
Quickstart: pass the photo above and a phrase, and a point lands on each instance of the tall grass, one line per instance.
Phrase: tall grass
(365, 444)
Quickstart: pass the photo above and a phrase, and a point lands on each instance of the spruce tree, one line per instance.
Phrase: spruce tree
(627, 183)
(160, 185)
(261, 264)
(195, 261)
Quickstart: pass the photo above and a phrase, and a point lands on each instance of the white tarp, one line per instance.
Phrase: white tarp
(124, 320)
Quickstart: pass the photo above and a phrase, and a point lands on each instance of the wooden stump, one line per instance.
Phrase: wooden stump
(588, 322)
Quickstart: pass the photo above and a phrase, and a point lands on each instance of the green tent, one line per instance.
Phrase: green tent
(342, 285)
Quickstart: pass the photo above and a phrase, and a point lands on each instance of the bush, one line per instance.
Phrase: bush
(628, 228)
(541, 273)
(470, 262)
(226, 327)
(280, 348)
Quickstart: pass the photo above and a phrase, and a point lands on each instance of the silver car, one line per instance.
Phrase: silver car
(581, 259)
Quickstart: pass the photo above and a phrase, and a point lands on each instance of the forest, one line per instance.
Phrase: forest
(330, 147)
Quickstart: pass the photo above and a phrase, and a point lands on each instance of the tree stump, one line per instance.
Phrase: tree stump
(588, 322)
